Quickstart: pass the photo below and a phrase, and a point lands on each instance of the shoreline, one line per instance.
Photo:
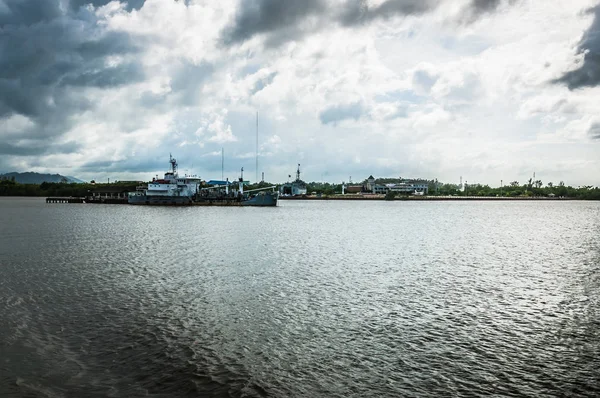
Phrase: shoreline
(426, 198)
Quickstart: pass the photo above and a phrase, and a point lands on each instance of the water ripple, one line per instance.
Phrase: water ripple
(306, 300)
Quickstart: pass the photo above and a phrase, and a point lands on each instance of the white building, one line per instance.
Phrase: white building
(403, 187)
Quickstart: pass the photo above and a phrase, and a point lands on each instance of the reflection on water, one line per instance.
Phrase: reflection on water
(307, 299)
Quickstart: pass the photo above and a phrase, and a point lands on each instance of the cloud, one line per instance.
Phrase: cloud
(187, 81)
(594, 131)
(356, 12)
(51, 55)
(424, 78)
(263, 16)
(129, 4)
(336, 114)
(281, 21)
(588, 73)
(261, 83)
(216, 127)
(476, 9)
(37, 149)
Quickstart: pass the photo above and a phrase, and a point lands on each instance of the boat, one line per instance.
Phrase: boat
(294, 188)
(170, 190)
(225, 193)
(265, 197)
(261, 198)
(192, 191)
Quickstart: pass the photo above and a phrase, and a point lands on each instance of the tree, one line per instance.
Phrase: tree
(514, 184)
(550, 185)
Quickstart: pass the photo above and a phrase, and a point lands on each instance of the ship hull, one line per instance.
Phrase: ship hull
(267, 200)
(159, 200)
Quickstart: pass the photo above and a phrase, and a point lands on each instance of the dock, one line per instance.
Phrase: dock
(70, 199)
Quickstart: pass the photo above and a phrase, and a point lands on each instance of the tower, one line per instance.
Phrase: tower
(257, 146)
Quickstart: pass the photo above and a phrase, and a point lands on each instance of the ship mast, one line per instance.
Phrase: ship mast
(298, 173)
(241, 182)
(173, 164)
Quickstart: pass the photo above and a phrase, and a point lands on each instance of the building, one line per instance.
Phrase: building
(354, 189)
(294, 188)
(371, 184)
(410, 186)
(417, 187)
(110, 194)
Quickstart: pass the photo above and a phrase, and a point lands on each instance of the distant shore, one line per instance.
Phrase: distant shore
(423, 198)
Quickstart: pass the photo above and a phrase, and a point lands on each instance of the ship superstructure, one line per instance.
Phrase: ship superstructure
(171, 189)
(295, 188)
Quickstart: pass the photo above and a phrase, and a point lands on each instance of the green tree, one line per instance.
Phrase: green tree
(390, 195)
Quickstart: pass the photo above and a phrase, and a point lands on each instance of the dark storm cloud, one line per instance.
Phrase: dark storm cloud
(588, 73)
(48, 53)
(281, 20)
(129, 4)
(483, 6)
(358, 11)
(594, 131)
(285, 20)
(7, 148)
(265, 16)
(478, 8)
(335, 114)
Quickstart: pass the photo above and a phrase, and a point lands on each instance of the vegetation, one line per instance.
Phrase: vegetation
(514, 189)
(9, 187)
(390, 195)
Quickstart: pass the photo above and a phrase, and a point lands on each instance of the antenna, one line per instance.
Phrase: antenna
(256, 145)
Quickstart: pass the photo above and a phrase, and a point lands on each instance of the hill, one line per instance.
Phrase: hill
(38, 178)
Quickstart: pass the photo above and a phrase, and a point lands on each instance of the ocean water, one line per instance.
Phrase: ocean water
(309, 299)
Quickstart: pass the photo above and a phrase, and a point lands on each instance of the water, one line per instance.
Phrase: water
(310, 299)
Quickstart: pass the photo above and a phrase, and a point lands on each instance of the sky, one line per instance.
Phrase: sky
(489, 90)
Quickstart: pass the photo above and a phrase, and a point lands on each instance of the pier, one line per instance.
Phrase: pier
(69, 199)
